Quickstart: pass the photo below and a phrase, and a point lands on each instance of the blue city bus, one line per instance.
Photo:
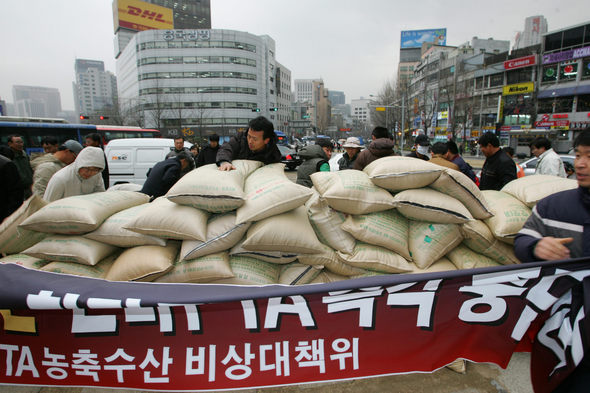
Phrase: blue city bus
(33, 132)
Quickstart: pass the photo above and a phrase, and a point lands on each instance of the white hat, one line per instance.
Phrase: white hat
(352, 142)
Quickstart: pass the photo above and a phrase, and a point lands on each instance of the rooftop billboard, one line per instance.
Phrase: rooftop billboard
(139, 15)
(415, 38)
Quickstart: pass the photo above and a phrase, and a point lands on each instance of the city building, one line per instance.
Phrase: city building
(563, 97)
(304, 90)
(336, 97)
(534, 28)
(360, 111)
(131, 16)
(95, 89)
(36, 101)
(197, 82)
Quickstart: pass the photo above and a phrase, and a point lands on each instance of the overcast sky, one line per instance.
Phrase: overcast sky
(352, 45)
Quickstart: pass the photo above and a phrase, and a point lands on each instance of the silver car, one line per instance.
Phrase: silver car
(530, 165)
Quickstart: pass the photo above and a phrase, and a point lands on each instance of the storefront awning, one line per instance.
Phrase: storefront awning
(565, 91)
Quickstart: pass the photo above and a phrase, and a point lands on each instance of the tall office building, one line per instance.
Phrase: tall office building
(304, 89)
(534, 28)
(336, 97)
(36, 101)
(95, 89)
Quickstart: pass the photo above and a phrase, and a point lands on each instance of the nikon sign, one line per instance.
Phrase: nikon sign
(520, 88)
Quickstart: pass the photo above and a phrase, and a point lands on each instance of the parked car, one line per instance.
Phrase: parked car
(530, 165)
(289, 157)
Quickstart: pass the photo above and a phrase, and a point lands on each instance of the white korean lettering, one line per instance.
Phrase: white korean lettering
(276, 308)
(200, 360)
(311, 355)
(364, 301)
(423, 300)
(238, 371)
(120, 368)
(341, 346)
(281, 358)
(86, 363)
(55, 370)
(150, 359)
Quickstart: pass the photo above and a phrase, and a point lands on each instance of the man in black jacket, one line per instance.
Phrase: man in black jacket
(499, 168)
(164, 174)
(259, 143)
(12, 192)
(209, 153)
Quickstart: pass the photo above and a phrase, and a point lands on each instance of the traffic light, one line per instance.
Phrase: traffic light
(103, 117)
(273, 109)
(84, 117)
(256, 110)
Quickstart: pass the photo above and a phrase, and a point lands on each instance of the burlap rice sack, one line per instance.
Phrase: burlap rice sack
(351, 191)
(328, 259)
(65, 248)
(212, 190)
(279, 257)
(442, 265)
(429, 205)
(531, 189)
(298, 274)
(480, 239)
(99, 270)
(168, 220)
(82, 213)
(465, 258)
(510, 214)
(250, 271)
(143, 263)
(268, 192)
(368, 256)
(455, 184)
(202, 269)
(222, 234)
(429, 242)
(387, 229)
(14, 239)
(25, 260)
(287, 232)
(326, 223)
(326, 277)
(113, 231)
(402, 173)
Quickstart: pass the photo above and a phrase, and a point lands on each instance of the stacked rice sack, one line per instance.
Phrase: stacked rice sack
(253, 226)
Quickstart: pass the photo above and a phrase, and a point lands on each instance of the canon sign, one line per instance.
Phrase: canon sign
(520, 62)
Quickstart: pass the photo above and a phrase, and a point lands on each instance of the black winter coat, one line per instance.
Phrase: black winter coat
(162, 177)
(207, 156)
(237, 149)
(497, 170)
(12, 194)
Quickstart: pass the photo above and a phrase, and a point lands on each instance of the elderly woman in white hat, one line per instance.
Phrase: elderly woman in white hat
(352, 146)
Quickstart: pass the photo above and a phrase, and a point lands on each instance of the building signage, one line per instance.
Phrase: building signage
(520, 88)
(138, 15)
(415, 38)
(187, 35)
(520, 62)
(552, 124)
(567, 55)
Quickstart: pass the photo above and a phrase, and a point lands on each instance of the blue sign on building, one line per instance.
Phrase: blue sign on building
(415, 38)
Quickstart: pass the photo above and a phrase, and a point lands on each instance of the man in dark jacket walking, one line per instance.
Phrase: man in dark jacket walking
(208, 154)
(22, 162)
(164, 174)
(259, 143)
(499, 168)
(381, 146)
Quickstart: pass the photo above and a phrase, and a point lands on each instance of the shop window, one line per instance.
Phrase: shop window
(550, 73)
(496, 80)
(586, 67)
(583, 103)
(568, 71)
(563, 104)
(545, 105)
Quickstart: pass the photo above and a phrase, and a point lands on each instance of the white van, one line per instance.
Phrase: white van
(130, 159)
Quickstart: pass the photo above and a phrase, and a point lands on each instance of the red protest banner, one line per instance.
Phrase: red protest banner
(63, 330)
